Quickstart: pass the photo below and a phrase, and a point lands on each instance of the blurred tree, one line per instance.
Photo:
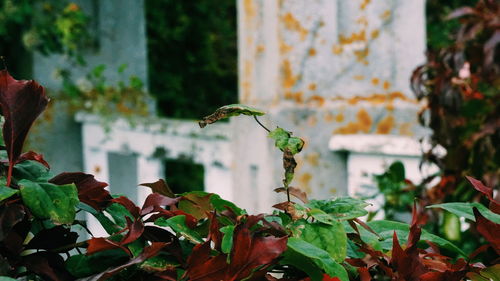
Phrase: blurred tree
(192, 49)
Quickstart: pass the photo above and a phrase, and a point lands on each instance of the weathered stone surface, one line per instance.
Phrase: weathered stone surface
(321, 68)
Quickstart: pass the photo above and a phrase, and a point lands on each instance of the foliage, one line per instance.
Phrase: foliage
(197, 39)
(198, 235)
(94, 94)
(45, 26)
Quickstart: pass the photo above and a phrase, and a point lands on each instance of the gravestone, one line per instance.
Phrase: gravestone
(321, 68)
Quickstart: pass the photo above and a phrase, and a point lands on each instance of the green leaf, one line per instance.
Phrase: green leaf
(329, 237)
(386, 229)
(6, 192)
(221, 205)
(227, 240)
(178, 224)
(83, 265)
(343, 208)
(229, 111)
(283, 140)
(3, 278)
(464, 209)
(397, 171)
(118, 212)
(50, 201)
(321, 216)
(319, 256)
(291, 257)
(32, 170)
(159, 263)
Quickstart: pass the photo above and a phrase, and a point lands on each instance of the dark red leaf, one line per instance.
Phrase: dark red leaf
(191, 221)
(135, 230)
(406, 263)
(160, 187)
(101, 244)
(129, 205)
(90, 191)
(364, 274)
(488, 229)
(157, 200)
(201, 266)
(487, 191)
(21, 102)
(31, 155)
(147, 253)
(47, 264)
(10, 215)
(53, 238)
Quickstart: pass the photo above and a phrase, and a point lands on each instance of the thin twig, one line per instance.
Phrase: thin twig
(255, 117)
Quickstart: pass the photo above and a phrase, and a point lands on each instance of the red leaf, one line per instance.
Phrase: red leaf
(31, 155)
(201, 266)
(147, 253)
(156, 200)
(160, 187)
(101, 244)
(364, 274)
(487, 191)
(90, 191)
(135, 230)
(129, 205)
(407, 263)
(488, 229)
(21, 102)
(49, 265)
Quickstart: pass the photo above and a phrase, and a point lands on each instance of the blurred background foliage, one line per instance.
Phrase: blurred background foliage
(192, 49)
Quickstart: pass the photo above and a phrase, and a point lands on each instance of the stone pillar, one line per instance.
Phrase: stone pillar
(319, 68)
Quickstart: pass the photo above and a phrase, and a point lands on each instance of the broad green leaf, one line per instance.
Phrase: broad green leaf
(353, 252)
(343, 208)
(221, 205)
(397, 171)
(50, 201)
(227, 240)
(321, 216)
(283, 140)
(291, 257)
(159, 263)
(229, 111)
(6, 192)
(32, 170)
(118, 212)
(3, 278)
(109, 226)
(329, 237)
(319, 256)
(386, 229)
(178, 224)
(464, 209)
(83, 265)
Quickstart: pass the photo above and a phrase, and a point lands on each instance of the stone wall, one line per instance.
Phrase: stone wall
(320, 68)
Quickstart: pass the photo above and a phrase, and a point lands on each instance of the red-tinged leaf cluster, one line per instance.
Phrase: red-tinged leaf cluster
(21, 102)
(251, 255)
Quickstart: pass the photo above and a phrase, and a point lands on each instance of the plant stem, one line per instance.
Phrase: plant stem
(71, 246)
(255, 117)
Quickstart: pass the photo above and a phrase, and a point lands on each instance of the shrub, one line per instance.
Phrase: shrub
(200, 236)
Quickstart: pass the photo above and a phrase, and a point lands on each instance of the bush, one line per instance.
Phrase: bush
(200, 236)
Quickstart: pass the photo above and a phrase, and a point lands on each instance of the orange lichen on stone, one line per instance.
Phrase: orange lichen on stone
(362, 20)
(364, 4)
(405, 129)
(386, 85)
(312, 52)
(284, 47)
(246, 86)
(250, 9)
(363, 124)
(97, 169)
(375, 34)
(375, 81)
(312, 86)
(385, 126)
(260, 49)
(337, 49)
(312, 121)
(361, 55)
(358, 77)
(296, 96)
(288, 78)
(292, 23)
(376, 98)
(304, 182)
(389, 106)
(333, 190)
(386, 15)
(355, 37)
(329, 117)
(339, 118)
(318, 100)
(313, 159)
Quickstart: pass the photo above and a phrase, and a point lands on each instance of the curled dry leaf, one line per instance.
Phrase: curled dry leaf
(297, 192)
(229, 111)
